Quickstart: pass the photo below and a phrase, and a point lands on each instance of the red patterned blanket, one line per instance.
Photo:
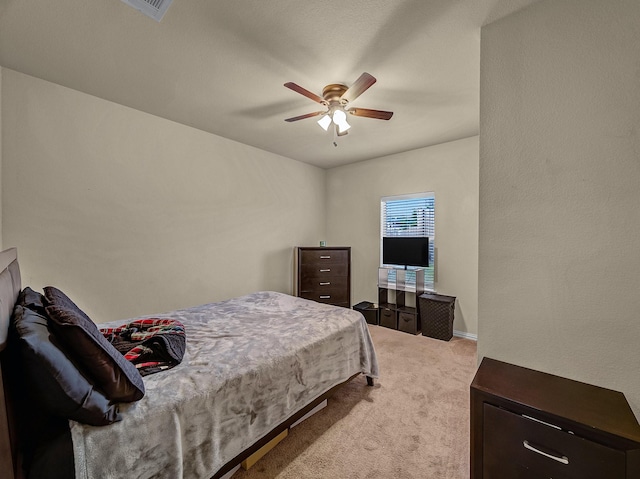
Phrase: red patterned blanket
(151, 344)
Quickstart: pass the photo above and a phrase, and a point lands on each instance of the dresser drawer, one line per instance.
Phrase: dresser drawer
(323, 284)
(324, 256)
(519, 447)
(312, 271)
(337, 297)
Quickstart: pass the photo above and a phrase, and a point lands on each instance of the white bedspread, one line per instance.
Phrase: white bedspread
(251, 362)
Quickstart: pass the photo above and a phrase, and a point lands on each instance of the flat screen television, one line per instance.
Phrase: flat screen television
(406, 251)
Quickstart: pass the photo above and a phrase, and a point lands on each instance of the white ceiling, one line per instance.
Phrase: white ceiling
(220, 65)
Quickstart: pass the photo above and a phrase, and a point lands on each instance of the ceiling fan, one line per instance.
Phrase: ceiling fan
(336, 98)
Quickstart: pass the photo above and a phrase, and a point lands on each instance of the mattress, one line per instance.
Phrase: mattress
(251, 363)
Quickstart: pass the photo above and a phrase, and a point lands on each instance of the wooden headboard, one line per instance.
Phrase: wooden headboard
(9, 290)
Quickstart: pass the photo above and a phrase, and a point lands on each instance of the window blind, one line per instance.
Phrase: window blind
(408, 216)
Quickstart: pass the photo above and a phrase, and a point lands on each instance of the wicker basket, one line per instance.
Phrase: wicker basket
(436, 314)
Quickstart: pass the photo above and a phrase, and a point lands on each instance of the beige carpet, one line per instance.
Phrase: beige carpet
(414, 423)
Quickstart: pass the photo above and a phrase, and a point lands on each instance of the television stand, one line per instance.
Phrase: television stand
(397, 288)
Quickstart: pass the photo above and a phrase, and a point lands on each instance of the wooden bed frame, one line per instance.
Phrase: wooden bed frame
(10, 459)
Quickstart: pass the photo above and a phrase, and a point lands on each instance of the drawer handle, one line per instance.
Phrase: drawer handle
(325, 284)
(325, 257)
(561, 460)
(325, 297)
(325, 270)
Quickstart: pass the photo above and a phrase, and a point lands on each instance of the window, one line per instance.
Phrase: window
(407, 216)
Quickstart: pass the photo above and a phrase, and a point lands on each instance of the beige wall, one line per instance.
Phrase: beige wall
(133, 214)
(449, 170)
(1, 134)
(559, 271)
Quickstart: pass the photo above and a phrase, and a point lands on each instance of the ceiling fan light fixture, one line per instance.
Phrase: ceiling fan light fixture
(324, 122)
(342, 129)
(340, 119)
(339, 116)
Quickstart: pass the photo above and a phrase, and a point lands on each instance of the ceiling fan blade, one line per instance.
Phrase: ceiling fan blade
(377, 114)
(303, 91)
(361, 85)
(302, 117)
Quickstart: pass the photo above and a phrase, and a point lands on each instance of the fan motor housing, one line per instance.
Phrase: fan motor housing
(333, 92)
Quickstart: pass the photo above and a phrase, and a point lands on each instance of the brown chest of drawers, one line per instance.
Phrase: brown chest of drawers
(323, 274)
(528, 424)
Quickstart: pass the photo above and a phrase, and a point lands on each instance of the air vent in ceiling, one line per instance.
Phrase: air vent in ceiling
(151, 8)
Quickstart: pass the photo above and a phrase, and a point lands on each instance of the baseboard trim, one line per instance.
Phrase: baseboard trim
(465, 335)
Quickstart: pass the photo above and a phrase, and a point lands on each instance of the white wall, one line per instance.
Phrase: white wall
(450, 170)
(560, 191)
(132, 214)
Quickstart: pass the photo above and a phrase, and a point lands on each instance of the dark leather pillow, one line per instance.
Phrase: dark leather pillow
(54, 380)
(110, 371)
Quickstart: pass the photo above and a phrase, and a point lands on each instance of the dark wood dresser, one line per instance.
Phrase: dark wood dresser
(323, 274)
(528, 424)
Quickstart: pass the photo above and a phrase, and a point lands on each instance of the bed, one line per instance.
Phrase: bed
(253, 366)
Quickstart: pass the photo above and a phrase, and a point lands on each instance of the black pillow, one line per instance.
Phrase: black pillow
(32, 300)
(55, 381)
(110, 371)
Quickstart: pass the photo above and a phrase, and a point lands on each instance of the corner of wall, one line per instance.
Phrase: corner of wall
(1, 135)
